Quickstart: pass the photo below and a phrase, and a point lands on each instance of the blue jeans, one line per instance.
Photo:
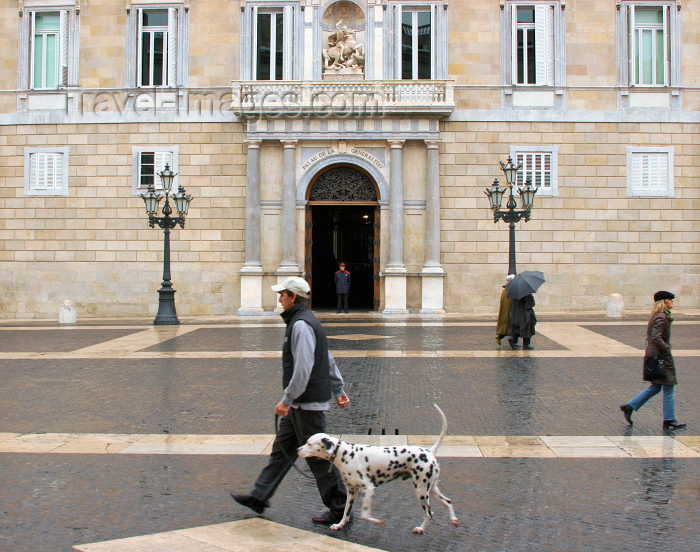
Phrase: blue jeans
(653, 389)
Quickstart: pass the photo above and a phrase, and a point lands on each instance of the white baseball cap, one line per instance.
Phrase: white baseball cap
(295, 285)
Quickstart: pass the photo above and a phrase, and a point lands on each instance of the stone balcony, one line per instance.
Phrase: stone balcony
(350, 98)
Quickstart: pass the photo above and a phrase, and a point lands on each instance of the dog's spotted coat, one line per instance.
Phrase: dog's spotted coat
(364, 467)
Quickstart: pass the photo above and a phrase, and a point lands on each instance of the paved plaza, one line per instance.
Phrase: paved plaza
(116, 435)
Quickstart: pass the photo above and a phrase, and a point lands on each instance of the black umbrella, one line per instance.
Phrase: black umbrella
(524, 284)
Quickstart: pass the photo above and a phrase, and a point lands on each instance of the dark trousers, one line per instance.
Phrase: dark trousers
(342, 302)
(293, 431)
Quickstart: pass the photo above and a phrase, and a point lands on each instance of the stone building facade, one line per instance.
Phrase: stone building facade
(310, 132)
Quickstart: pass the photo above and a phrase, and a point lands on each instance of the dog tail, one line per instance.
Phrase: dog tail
(442, 431)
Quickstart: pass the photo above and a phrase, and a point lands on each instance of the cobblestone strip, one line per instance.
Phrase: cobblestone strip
(453, 446)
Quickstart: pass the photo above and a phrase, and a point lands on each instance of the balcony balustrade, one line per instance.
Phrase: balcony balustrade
(342, 98)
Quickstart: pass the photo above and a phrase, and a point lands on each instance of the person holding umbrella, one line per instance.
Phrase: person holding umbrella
(504, 312)
(522, 313)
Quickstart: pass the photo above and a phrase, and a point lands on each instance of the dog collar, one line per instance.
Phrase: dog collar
(334, 455)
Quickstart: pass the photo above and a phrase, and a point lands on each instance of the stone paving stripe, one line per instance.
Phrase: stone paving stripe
(135, 342)
(575, 338)
(248, 535)
(453, 446)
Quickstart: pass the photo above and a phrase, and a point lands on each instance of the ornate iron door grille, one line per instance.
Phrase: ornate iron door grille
(343, 184)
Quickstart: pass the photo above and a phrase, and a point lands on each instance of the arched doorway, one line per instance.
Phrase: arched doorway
(342, 224)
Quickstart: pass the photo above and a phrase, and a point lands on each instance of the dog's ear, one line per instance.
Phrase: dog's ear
(327, 443)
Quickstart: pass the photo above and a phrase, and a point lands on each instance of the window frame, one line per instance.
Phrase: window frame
(176, 63)
(292, 37)
(393, 38)
(626, 42)
(415, 64)
(553, 152)
(634, 188)
(275, 15)
(137, 152)
(552, 72)
(67, 48)
(60, 187)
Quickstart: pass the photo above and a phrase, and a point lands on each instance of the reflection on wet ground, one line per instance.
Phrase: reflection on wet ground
(136, 430)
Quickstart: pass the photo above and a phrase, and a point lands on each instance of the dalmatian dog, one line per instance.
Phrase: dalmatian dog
(364, 467)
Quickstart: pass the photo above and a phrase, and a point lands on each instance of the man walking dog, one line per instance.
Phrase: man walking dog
(310, 379)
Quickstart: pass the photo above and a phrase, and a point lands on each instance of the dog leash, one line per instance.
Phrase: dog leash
(292, 460)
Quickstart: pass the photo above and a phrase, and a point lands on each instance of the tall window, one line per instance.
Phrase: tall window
(157, 42)
(649, 62)
(416, 44)
(532, 44)
(48, 49)
(153, 48)
(649, 43)
(46, 171)
(269, 51)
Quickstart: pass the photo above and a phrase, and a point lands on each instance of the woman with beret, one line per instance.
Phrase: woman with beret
(659, 344)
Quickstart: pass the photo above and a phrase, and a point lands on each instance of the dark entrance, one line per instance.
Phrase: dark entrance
(342, 225)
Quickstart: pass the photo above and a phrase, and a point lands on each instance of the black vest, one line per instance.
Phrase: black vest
(319, 387)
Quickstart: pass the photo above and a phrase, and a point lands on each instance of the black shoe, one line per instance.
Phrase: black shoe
(673, 424)
(329, 517)
(513, 345)
(337, 312)
(528, 347)
(258, 506)
(627, 411)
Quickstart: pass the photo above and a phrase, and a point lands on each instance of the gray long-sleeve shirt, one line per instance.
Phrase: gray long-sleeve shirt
(303, 347)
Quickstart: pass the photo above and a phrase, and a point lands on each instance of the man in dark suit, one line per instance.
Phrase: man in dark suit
(342, 288)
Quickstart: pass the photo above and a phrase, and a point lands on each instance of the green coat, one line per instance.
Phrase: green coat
(503, 314)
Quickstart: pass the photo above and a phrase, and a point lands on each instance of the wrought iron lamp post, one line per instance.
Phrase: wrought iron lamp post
(166, 294)
(511, 215)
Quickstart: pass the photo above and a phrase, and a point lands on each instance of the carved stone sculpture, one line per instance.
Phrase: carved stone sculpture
(344, 55)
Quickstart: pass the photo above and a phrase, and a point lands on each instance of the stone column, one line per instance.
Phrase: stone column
(251, 273)
(432, 274)
(395, 271)
(288, 266)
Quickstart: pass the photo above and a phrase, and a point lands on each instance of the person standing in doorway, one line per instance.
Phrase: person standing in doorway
(659, 344)
(342, 288)
(310, 379)
(504, 312)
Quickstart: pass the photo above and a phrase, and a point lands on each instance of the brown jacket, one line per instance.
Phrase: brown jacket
(503, 314)
(659, 343)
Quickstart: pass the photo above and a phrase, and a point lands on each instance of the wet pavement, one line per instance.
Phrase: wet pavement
(213, 377)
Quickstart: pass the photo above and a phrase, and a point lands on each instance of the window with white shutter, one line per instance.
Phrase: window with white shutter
(157, 42)
(46, 171)
(48, 48)
(650, 172)
(649, 43)
(148, 162)
(540, 165)
(532, 56)
(533, 43)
